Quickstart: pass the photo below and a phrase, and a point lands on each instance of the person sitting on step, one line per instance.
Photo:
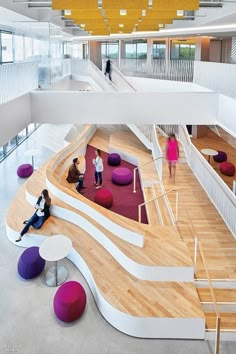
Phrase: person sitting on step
(75, 176)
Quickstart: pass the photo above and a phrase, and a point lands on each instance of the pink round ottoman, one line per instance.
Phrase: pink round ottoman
(220, 157)
(122, 176)
(25, 170)
(227, 168)
(114, 159)
(69, 301)
(104, 198)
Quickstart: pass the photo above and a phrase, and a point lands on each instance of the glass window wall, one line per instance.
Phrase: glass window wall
(183, 51)
(19, 47)
(136, 50)
(7, 48)
(110, 50)
(159, 50)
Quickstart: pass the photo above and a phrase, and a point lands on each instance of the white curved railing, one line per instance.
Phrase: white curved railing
(162, 69)
(218, 192)
(27, 80)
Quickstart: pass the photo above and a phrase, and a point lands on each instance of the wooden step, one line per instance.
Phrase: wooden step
(221, 295)
(227, 321)
(163, 207)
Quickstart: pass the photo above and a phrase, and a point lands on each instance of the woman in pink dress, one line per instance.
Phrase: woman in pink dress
(172, 154)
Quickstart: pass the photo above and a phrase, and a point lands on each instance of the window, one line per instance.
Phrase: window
(7, 50)
(19, 47)
(12, 144)
(110, 50)
(136, 50)
(183, 51)
(28, 47)
(159, 50)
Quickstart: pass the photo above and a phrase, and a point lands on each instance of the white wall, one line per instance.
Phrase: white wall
(226, 114)
(153, 85)
(219, 77)
(15, 115)
(124, 107)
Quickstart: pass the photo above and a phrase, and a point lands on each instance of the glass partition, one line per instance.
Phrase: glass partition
(7, 47)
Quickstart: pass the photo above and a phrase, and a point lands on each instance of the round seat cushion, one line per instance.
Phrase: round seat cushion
(114, 159)
(25, 170)
(30, 263)
(104, 198)
(69, 301)
(227, 168)
(122, 176)
(220, 157)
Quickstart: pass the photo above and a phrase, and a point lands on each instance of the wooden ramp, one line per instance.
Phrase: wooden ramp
(119, 273)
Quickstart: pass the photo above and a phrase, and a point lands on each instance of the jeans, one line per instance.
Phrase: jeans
(79, 184)
(98, 176)
(35, 221)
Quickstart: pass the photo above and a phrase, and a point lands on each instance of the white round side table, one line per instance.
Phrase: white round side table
(53, 249)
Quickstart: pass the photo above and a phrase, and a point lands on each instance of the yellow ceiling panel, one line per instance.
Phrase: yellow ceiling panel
(74, 4)
(153, 21)
(84, 14)
(161, 14)
(175, 4)
(116, 13)
(124, 4)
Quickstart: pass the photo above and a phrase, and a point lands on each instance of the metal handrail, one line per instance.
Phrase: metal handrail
(122, 76)
(138, 167)
(161, 195)
(217, 342)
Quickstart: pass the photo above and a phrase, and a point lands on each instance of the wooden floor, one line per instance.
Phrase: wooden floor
(125, 292)
(197, 217)
(213, 141)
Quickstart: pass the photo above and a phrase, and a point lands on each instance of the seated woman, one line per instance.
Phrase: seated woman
(41, 214)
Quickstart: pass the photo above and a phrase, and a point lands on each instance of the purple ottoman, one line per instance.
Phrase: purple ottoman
(221, 157)
(114, 159)
(104, 198)
(227, 168)
(69, 301)
(30, 264)
(25, 170)
(122, 176)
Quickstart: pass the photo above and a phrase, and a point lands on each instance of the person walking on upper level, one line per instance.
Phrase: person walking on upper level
(98, 163)
(108, 68)
(172, 154)
(41, 214)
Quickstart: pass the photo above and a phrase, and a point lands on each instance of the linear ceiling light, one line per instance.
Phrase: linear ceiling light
(143, 12)
(180, 12)
(67, 12)
(123, 12)
(121, 25)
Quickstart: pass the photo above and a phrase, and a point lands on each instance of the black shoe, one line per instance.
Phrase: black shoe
(25, 222)
(18, 240)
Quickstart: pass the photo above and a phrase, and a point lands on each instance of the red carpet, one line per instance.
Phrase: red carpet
(125, 202)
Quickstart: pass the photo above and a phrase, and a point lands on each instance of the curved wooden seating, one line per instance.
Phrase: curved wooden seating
(134, 306)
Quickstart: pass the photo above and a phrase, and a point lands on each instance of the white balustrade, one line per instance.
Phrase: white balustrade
(176, 70)
(17, 79)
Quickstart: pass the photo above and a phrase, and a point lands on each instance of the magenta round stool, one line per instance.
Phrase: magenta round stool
(114, 159)
(104, 198)
(220, 157)
(122, 176)
(227, 168)
(25, 170)
(69, 301)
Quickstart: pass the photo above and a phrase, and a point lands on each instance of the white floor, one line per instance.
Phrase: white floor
(27, 321)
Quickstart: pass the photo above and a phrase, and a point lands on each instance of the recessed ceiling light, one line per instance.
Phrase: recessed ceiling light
(139, 20)
(143, 12)
(67, 12)
(120, 32)
(82, 25)
(161, 25)
(121, 25)
(180, 12)
(123, 12)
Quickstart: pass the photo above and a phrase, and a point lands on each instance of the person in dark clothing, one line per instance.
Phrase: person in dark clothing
(108, 68)
(74, 175)
(41, 214)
